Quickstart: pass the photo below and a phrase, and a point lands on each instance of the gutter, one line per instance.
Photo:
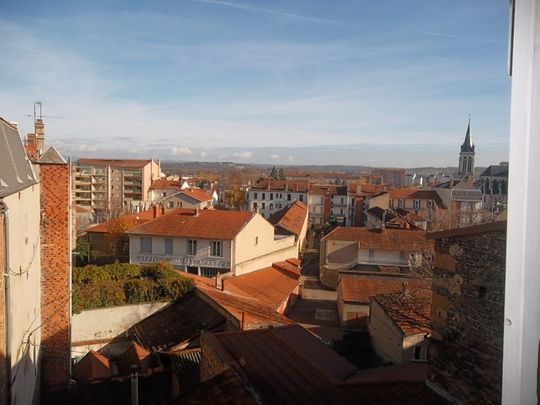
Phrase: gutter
(7, 323)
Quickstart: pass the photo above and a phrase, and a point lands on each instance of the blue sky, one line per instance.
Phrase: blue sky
(386, 83)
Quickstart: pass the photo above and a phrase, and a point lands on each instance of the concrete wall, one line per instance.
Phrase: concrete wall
(24, 311)
(386, 338)
(255, 247)
(93, 329)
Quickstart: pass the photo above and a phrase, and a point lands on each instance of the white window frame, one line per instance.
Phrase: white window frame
(192, 247)
(216, 248)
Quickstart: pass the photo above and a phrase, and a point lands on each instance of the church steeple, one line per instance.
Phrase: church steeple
(466, 156)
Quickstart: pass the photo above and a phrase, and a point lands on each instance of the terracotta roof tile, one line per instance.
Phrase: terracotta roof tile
(390, 239)
(166, 185)
(360, 290)
(198, 195)
(93, 366)
(414, 194)
(125, 222)
(208, 224)
(290, 218)
(270, 286)
(410, 312)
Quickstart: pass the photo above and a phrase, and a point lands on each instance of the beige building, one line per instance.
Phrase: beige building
(113, 184)
(20, 254)
(211, 242)
(399, 326)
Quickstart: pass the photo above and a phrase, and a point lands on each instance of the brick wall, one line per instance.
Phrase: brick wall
(3, 362)
(467, 316)
(55, 276)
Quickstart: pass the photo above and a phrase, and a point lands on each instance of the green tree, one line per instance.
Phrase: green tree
(274, 175)
(281, 174)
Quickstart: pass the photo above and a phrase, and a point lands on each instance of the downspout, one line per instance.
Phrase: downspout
(70, 260)
(7, 323)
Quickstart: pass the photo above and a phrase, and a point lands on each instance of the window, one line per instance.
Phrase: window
(263, 206)
(254, 205)
(164, 194)
(254, 196)
(420, 352)
(271, 196)
(146, 245)
(216, 248)
(429, 203)
(416, 204)
(301, 197)
(192, 247)
(342, 200)
(256, 240)
(170, 204)
(271, 206)
(288, 197)
(401, 203)
(168, 246)
(263, 196)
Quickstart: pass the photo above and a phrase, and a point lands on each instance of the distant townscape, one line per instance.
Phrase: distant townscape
(259, 285)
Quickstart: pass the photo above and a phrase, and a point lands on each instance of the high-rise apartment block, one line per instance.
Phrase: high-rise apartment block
(113, 184)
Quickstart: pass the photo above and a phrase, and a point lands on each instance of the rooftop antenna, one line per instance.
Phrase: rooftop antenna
(38, 112)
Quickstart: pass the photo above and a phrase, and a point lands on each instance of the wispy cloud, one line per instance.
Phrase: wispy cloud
(267, 11)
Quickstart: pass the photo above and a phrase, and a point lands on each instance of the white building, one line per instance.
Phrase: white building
(269, 196)
(20, 250)
(208, 242)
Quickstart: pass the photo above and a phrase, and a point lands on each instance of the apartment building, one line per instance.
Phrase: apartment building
(113, 184)
(211, 242)
(268, 196)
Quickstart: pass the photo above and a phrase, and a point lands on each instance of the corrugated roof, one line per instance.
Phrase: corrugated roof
(16, 172)
(207, 224)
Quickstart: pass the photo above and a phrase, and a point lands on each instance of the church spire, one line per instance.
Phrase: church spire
(467, 144)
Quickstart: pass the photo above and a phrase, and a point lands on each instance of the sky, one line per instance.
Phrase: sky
(389, 83)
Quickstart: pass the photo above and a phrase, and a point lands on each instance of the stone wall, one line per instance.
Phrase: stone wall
(467, 314)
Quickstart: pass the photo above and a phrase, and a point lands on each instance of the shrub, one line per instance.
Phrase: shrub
(123, 283)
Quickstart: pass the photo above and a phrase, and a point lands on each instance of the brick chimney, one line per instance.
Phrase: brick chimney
(156, 211)
(40, 136)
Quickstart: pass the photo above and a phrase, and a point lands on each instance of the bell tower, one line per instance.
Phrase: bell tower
(466, 156)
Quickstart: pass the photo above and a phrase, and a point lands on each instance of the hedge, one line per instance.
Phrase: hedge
(124, 283)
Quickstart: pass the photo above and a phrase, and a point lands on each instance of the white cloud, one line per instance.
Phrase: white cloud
(244, 155)
(290, 159)
(86, 148)
(274, 156)
(203, 154)
(183, 151)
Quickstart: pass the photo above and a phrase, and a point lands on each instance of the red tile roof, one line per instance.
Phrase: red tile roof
(166, 185)
(411, 240)
(94, 366)
(291, 218)
(414, 194)
(207, 224)
(245, 309)
(124, 163)
(360, 290)
(124, 222)
(270, 286)
(411, 313)
(198, 195)
(298, 186)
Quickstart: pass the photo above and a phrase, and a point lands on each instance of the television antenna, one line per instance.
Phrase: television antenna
(38, 112)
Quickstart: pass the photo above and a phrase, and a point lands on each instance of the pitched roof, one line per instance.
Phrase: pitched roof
(496, 171)
(360, 290)
(248, 312)
(498, 226)
(298, 186)
(290, 218)
(123, 163)
(390, 239)
(270, 286)
(411, 313)
(289, 365)
(166, 185)
(93, 366)
(52, 156)
(15, 169)
(414, 194)
(124, 222)
(207, 224)
(196, 194)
